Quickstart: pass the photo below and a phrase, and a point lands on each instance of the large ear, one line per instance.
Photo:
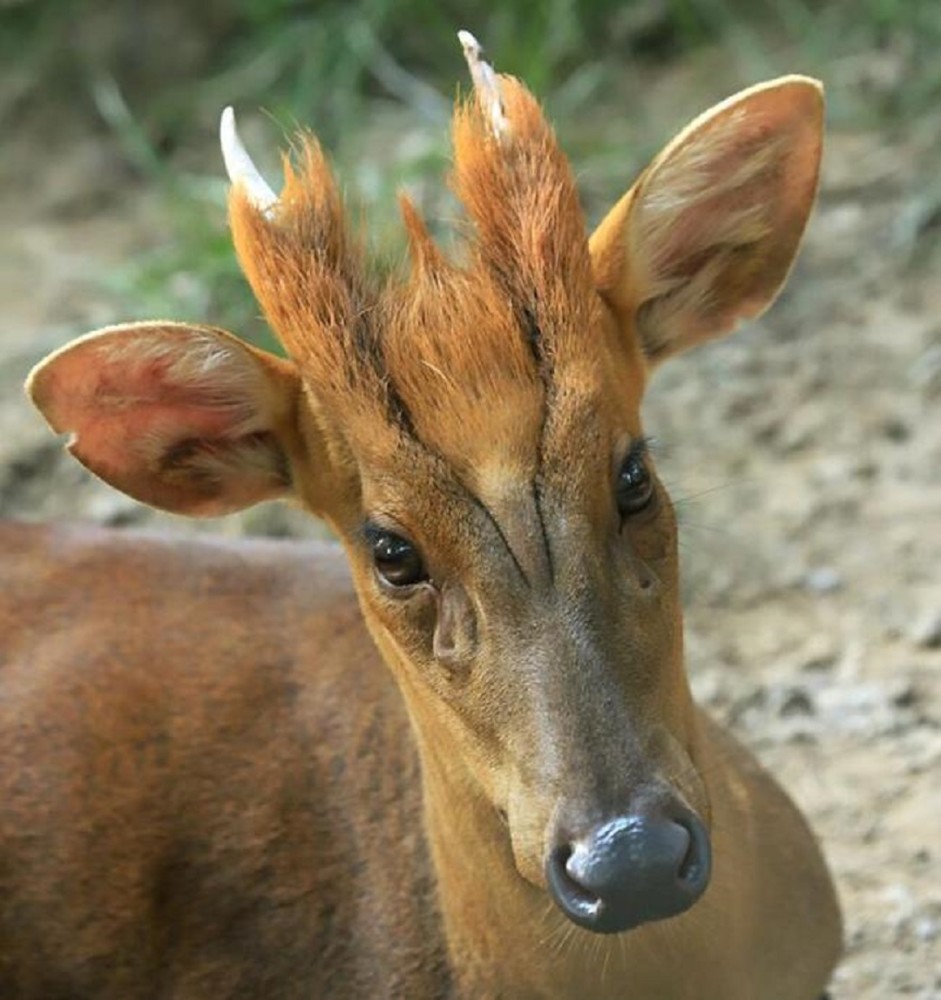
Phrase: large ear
(707, 235)
(186, 418)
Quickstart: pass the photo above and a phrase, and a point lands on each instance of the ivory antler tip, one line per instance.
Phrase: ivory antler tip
(239, 165)
(486, 84)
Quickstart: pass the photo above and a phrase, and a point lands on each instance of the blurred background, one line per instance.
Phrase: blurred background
(128, 93)
(804, 454)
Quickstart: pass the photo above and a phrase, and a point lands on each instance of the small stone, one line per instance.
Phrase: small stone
(755, 700)
(818, 664)
(926, 371)
(926, 929)
(819, 653)
(823, 580)
(896, 430)
(114, 509)
(905, 697)
(796, 701)
(926, 634)
(865, 470)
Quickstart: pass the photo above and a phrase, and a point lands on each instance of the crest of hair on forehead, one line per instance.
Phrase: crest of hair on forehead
(520, 192)
(459, 356)
(458, 360)
(474, 351)
(308, 274)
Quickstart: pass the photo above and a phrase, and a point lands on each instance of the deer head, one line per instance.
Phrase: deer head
(472, 433)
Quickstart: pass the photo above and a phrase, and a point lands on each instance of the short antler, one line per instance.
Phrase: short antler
(486, 84)
(241, 169)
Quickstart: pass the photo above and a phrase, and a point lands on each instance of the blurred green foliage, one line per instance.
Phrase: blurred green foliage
(376, 78)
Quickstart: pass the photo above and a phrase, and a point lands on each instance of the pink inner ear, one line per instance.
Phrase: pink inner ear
(174, 416)
(717, 220)
(698, 198)
(125, 410)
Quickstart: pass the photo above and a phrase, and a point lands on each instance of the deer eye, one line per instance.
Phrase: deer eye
(634, 488)
(396, 559)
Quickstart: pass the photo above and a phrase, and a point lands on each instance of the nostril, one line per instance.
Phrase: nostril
(577, 890)
(577, 902)
(688, 865)
(694, 868)
(561, 856)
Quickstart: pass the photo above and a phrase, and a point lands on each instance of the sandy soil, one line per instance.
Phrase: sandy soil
(806, 456)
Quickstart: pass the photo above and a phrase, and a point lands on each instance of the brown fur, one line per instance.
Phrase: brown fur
(176, 826)
(213, 788)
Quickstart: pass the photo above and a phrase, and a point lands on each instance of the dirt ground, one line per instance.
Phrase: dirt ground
(805, 454)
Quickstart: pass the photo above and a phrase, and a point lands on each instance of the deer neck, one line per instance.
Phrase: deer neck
(499, 928)
(483, 900)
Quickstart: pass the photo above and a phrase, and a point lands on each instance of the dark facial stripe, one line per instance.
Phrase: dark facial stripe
(496, 524)
(547, 544)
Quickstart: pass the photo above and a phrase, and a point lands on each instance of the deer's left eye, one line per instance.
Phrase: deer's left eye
(635, 485)
(396, 559)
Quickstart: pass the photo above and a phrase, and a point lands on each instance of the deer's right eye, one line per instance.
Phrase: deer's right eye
(396, 559)
(634, 489)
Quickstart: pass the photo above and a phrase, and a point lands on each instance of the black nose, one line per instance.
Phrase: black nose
(631, 870)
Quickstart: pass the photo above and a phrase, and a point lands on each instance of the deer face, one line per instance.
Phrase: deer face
(529, 607)
(473, 435)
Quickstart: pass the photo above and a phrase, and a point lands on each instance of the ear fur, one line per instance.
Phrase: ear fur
(707, 235)
(186, 418)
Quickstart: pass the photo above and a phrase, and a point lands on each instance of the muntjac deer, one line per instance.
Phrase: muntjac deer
(212, 788)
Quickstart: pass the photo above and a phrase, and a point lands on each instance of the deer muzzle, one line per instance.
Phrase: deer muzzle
(649, 864)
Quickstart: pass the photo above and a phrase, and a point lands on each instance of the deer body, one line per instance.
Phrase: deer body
(472, 768)
(248, 822)
(244, 822)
